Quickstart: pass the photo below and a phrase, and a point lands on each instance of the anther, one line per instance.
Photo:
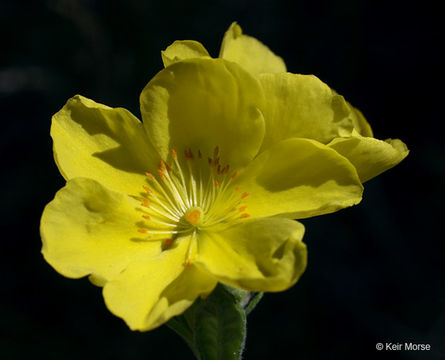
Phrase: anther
(150, 176)
(245, 195)
(168, 242)
(199, 154)
(146, 203)
(147, 189)
(234, 174)
(244, 215)
(146, 217)
(238, 187)
(215, 152)
(143, 231)
(174, 154)
(242, 208)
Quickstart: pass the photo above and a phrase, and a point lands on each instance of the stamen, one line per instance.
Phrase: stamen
(183, 202)
(167, 197)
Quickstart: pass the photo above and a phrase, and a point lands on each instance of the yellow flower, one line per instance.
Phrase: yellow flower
(300, 106)
(159, 212)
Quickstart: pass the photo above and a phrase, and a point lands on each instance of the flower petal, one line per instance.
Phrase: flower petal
(155, 288)
(250, 53)
(260, 254)
(360, 123)
(370, 156)
(90, 230)
(109, 145)
(299, 178)
(183, 49)
(302, 106)
(201, 104)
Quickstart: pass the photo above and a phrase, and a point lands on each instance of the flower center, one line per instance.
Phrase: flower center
(190, 194)
(193, 216)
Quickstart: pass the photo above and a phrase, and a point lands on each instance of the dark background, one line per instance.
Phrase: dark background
(376, 271)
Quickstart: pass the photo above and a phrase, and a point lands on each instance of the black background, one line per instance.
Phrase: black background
(375, 272)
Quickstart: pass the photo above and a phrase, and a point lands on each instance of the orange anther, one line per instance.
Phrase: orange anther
(150, 176)
(234, 174)
(238, 187)
(242, 208)
(146, 203)
(168, 242)
(216, 182)
(188, 262)
(146, 217)
(161, 173)
(226, 169)
(143, 231)
(174, 154)
(147, 189)
(244, 215)
(245, 195)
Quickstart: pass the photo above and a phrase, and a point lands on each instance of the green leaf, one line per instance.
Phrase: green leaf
(180, 326)
(220, 326)
(215, 328)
